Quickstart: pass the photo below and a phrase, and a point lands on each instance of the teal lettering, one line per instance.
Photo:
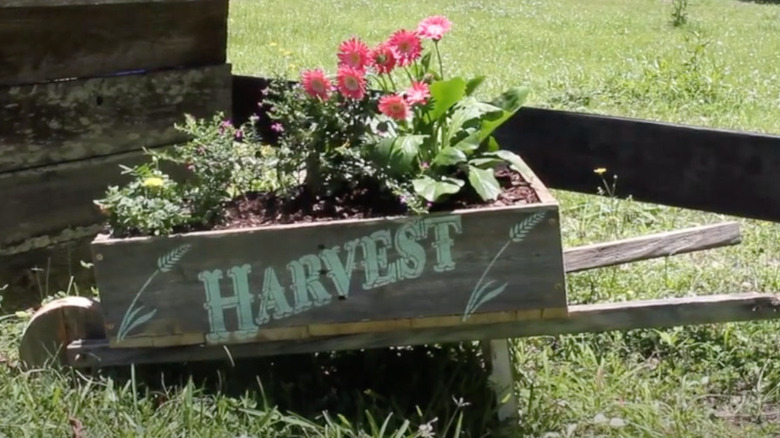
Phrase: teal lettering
(216, 303)
(273, 303)
(376, 259)
(412, 261)
(340, 273)
(442, 240)
(306, 281)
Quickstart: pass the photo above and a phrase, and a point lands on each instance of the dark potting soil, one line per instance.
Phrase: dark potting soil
(264, 209)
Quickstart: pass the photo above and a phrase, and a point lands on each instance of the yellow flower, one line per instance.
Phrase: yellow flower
(153, 182)
(272, 44)
(599, 171)
(287, 53)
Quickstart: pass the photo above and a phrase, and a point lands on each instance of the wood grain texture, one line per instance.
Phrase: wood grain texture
(49, 3)
(54, 204)
(652, 246)
(44, 271)
(659, 313)
(727, 172)
(54, 326)
(48, 40)
(334, 277)
(73, 120)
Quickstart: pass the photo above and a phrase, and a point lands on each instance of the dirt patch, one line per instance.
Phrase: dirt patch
(360, 202)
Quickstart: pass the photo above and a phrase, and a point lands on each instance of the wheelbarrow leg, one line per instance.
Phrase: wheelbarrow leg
(502, 378)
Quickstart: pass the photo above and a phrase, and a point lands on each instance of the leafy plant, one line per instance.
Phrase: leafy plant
(218, 164)
(430, 134)
(679, 12)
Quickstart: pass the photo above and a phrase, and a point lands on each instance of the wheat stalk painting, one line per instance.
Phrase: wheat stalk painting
(132, 319)
(481, 295)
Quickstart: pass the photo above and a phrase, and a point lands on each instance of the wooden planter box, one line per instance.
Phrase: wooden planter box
(301, 281)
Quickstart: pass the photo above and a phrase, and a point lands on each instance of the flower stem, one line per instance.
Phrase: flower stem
(392, 82)
(438, 55)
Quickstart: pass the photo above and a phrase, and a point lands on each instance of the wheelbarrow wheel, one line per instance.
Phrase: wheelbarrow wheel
(54, 326)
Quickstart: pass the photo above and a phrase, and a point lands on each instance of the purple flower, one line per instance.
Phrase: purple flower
(239, 134)
(277, 127)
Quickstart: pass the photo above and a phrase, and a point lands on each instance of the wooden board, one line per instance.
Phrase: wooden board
(600, 255)
(46, 40)
(29, 276)
(46, 3)
(734, 173)
(308, 280)
(74, 120)
(669, 312)
(54, 204)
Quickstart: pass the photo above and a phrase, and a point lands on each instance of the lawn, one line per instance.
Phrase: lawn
(616, 57)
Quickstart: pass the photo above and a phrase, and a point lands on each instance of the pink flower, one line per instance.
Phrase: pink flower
(434, 27)
(315, 83)
(394, 106)
(418, 93)
(383, 58)
(352, 82)
(406, 46)
(354, 53)
(277, 127)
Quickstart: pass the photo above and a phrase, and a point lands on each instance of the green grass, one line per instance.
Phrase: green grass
(616, 57)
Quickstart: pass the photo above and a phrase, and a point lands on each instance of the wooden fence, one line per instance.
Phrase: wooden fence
(84, 86)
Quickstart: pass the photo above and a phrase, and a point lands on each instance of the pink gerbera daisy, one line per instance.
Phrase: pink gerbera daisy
(394, 106)
(352, 82)
(406, 46)
(383, 58)
(315, 83)
(434, 27)
(418, 93)
(354, 53)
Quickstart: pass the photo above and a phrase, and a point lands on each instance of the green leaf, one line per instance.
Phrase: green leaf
(485, 162)
(510, 101)
(399, 153)
(473, 83)
(445, 94)
(449, 156)
(514, 161)
(492, 144)
(432, 190)
(484, 182)
(467, 117)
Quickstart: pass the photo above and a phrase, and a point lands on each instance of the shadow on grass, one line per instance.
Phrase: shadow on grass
(416, 383)
(762, 2)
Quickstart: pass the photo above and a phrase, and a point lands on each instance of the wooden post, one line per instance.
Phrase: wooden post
(502, 378)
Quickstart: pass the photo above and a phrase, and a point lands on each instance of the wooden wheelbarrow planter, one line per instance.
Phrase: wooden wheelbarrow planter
(481, 274)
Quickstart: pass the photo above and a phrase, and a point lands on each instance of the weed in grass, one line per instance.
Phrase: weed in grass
(679, 13)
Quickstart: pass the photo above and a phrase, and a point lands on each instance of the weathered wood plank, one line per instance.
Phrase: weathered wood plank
(332, 278)
(712, 170)
(74, 120)
(652, 246)
(659, 313)
(83, 39)
(47, 3)
(29, 276)
(54, 204)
